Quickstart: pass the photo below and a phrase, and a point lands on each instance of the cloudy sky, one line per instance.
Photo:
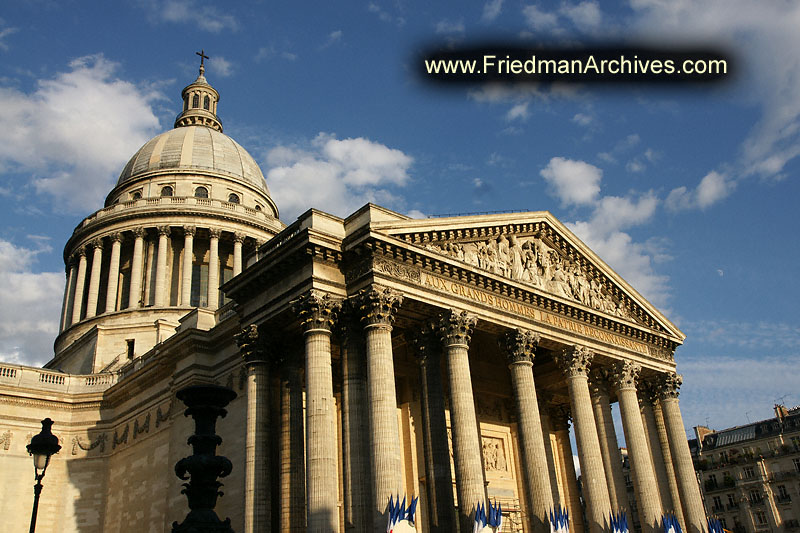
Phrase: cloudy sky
(690, 193)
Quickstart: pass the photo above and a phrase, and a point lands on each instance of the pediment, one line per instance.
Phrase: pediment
(537, 251)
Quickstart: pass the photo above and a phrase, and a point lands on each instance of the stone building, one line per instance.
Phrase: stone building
(373, 355)
(750, 474)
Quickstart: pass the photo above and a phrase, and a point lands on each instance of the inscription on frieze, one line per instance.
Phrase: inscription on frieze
(398, 271)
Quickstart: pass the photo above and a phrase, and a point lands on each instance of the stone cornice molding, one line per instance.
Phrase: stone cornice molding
(455, 327)
(575, 361)
(316, 311)
(519, 346)
(625, 375)
(668, 386)
(377, 306)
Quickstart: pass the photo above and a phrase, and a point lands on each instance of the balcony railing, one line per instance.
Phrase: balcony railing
(30, 377)
(756, 502)
(786, 498)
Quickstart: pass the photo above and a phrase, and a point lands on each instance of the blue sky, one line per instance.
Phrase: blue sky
(689, 193)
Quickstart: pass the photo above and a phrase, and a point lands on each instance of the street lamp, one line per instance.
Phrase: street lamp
(42, 446)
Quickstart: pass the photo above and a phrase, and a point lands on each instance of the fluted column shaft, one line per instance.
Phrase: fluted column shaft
(520, 348)
(692, 503)
(456, 329)
(77, 299)
(642, 474)
(257, 516)
(292, 461)
(137, 264)
(317, 314)
(113, 273)
(609, 446)
(378, 307)
(94, 278)
(355, 430)
(656, 454)
(65, 310)
(161, 267)
(547, 432)
(438, 476)
(672, 481)
(213, 268)
(238, 239)
(571, 496)
(188, 259)
(575, 361)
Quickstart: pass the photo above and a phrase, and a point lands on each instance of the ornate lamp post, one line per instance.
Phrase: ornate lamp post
(42, 446)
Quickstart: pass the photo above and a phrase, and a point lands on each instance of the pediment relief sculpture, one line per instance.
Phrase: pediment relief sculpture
(532, 261)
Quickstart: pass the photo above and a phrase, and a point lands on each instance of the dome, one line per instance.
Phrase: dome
(195, 148)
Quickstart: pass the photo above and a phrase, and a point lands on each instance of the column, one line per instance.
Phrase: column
(213, 267)
(77, 299)
(94, 278)
(292, 449)
(559, 416)
(691, 502)
(456, 331)
(238, 239)
(644, 479)
(65, 310)
(113, 273)
(438, 476)
(607, 435)
(672, 480)
(520, 349)
(547, 432)
(355, 425)
(188, 260)
(257, 515)
(378, 307)
(646, 402)
(135, 295)
(161, 267)
(317, 314)
(575, 362)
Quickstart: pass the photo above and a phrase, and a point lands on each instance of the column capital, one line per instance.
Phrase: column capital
(164, 230)
(647, 391)
(73, 257)
(560, 416)
(139, 233)
(115, 237)
(96, 243)
(80, 251)
(250, 345)
(190, 230)
(426, 341)
(668, 385)
(377, 306)
(575, 360)
(625, 375)
(316, 310)
(239, 236)
(455, 327)
(598, 381)
(519, 346)
(214, 233)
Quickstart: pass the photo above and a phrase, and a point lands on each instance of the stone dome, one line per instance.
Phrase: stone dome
(194, 148)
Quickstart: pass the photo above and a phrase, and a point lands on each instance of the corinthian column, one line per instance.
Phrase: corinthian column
(257, 515)
(65, 311)
(161, 267)
(681, 457)
(188, 259)
(378, 307)
(438, 477)
(644, 479)
(607, 435)
(646, 402)
(213, 267)
(77, 299)
(135, 294)
(238, 239)
(113, 273)
(575, 362)
(94, 278)
(292, 453)
(317, 313)
(520, 349)
(570, 498)
(672, 480)
(456, 331)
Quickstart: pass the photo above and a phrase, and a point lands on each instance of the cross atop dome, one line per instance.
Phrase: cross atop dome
(199, 101)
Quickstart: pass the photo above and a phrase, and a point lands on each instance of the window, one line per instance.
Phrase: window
(755, 495)
(196, 101)
(206, 103)
(761, 518)
(723, 457)
(233, 198)
(796, 463)
(258, 207)
(717, 503)
(731, 500)
(201, 192)
(137, 195)
(166, 191)
(131, 343)
(747, 472)
(186, 103)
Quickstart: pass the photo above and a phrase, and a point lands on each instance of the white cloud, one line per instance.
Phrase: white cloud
(614, 212)
(220, 66)
(585, 16)
(5, 32)
(518, 112)
(491, 10)
(711, 189)
(450, 27)
(384, 15)
(198, 14)
(574, 182)
(582, 119)
(340, 174)
(540, 20)
(75, 131)
(31, 306)
(333, 38)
